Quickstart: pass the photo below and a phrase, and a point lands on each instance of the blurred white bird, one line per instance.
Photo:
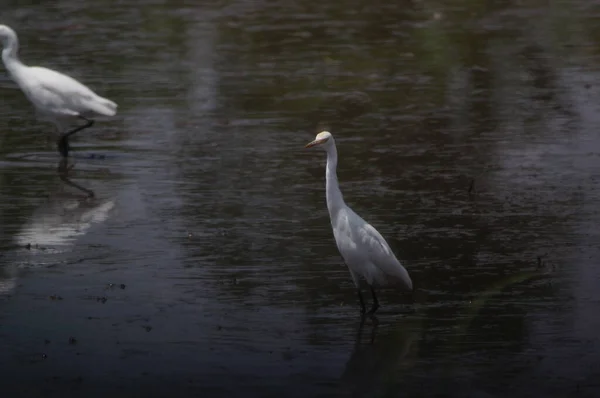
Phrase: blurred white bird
(57, 98)
(364, 250)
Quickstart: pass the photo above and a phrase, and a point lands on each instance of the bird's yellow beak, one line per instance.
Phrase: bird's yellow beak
(316, 142)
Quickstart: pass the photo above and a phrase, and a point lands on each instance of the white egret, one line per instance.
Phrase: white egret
(57, 97)
(364, 250)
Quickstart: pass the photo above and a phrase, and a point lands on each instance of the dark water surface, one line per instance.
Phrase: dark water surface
(205, 264)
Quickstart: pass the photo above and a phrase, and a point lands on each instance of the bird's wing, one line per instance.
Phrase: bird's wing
(379, 252)
(59, 82)
(361, 245)
(344, 239)
(355, 235)
(63, 94)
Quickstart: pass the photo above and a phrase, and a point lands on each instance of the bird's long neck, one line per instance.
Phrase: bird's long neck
(335, 200)
(10, 56)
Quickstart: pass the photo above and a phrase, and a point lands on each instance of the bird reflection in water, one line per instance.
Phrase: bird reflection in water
(8, 279)
(359, 330)
(377, 362)
(63, 173)
(66, 214)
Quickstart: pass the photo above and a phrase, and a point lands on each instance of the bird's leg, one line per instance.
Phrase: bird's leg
(63, 166)
(359, 331)
(375, 302)
(362, 302)
(89, 123)
(63, 146)
(63, 141)
(374, 329)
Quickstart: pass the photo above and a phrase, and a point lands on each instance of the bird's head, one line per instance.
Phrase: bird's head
(7, 35)
(324, 139)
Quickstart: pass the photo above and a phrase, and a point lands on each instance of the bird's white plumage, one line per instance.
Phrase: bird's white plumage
(72, 97)
(59, 95)
(364, 250)
(56, 96)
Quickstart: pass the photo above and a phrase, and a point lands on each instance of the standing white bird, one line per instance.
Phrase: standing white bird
(364, 250)
(57, 98)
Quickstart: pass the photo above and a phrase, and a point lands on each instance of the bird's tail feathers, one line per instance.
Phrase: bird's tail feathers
(403, 276)
(103, 106)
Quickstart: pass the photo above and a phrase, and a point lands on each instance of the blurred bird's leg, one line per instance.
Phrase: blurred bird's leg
(63, 146)
(359, 331)
(375, 301)
(63, 141)
(362, 303)
(357, 283)
(374, 329)
(89, 123)
(63, 167)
